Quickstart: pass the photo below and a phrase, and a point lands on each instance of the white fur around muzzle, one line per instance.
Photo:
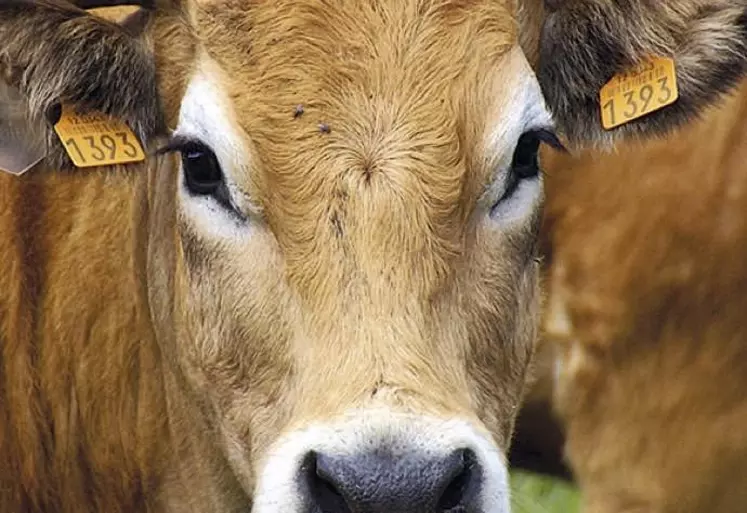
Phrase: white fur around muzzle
(278, 489)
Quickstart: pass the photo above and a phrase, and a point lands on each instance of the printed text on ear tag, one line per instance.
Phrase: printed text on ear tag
(96, 139)
(648, 87)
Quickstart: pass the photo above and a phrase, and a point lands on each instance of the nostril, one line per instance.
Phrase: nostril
(384, 481)
(456, 494)
(322, 490)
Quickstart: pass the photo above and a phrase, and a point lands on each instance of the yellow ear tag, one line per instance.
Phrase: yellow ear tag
(96, 139)
(650, 86)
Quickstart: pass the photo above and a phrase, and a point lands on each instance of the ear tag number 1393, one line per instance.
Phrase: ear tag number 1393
(650, 86)
(96, 139)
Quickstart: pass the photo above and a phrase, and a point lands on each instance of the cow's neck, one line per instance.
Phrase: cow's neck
(85, 396)
(94, 416)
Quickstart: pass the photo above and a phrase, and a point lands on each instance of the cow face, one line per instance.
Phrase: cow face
(342, 256)
(356, 279)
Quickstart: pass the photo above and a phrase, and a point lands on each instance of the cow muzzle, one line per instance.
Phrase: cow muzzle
(382, 462)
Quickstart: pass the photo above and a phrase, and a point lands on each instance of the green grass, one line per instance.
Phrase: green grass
(533, 493)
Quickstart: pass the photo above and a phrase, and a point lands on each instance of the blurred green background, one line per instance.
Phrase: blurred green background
(533, 493)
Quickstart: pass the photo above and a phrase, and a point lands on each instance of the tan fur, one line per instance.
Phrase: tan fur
(648, 262)
(373, 227)
(146, 365)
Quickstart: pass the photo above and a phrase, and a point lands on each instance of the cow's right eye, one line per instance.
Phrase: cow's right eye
(202, 172)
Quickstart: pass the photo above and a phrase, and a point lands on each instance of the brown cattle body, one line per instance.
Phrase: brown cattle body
(333, 311)
(646, 304)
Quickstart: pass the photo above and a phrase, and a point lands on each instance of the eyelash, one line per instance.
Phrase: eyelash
(176, 143)
(549, 137)
(514, 178)
(184, 145)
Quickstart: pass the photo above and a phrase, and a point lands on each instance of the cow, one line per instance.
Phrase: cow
(643, 360)
(320, 291)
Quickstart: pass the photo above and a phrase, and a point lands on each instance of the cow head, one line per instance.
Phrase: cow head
(343, 261)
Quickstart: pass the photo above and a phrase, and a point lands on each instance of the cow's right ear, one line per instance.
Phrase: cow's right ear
(53, 52)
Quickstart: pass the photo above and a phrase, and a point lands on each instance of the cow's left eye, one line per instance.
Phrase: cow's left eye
(524, 164)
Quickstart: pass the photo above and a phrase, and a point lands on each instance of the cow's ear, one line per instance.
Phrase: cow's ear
(52, 53)
(582, 44)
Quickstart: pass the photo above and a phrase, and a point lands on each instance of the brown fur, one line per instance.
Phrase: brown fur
(146, 366)
(650, 269)
(81, 382)
(100, 400)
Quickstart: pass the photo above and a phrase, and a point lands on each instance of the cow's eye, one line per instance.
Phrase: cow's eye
(202, 172)
(525, 161)
(524, 164)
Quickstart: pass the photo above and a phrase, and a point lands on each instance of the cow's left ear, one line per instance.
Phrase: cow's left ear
(583, 44)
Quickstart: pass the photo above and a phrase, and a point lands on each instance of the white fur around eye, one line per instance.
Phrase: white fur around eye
(206, 116)
(522, 109)
(521, 204)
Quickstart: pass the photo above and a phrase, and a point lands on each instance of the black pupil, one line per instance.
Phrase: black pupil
(201, 170)
(526, 159)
